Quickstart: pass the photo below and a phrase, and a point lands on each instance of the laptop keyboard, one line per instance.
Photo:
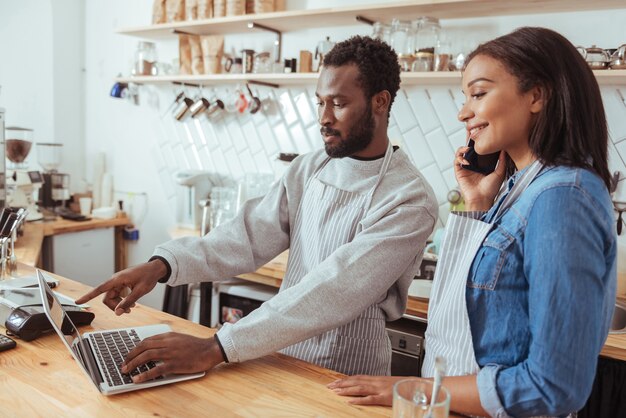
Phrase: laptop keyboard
(111, 348)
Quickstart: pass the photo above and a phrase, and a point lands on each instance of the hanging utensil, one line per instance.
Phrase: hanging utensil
(255, 104)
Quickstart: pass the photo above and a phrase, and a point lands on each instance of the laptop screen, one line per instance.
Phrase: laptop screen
(58, 316)
(64, 326)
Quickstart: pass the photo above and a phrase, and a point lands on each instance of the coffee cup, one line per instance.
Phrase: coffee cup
(85, 205)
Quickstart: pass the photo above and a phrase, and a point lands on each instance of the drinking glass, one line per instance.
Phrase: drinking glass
(411, 399)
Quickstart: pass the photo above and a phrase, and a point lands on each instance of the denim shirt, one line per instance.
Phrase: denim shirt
(540, 295)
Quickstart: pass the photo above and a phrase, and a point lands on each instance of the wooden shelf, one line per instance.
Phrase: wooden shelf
(212, 79)
(342, 16)
(604, 77)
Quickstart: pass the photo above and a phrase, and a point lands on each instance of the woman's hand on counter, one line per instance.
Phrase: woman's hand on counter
(366, 390)
(176, 353)
(140, 279)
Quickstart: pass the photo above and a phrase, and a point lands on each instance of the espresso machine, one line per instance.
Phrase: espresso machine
(194, 186)
(22, 183)
(56, 186)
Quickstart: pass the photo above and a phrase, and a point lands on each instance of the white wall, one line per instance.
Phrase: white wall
(143, 149)
(26, 67)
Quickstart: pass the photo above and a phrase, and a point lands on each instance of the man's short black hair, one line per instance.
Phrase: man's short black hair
(377, 63)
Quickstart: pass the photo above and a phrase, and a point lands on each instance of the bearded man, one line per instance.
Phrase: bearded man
(355, 217)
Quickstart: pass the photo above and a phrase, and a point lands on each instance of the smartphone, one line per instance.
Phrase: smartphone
(483, 164)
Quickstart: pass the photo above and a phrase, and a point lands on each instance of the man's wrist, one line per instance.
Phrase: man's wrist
(162, 268)
(221, 347)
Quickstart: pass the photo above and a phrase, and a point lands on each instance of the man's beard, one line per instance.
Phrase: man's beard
(357, 139)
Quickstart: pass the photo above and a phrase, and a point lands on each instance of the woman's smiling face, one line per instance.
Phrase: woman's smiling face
(496, 114)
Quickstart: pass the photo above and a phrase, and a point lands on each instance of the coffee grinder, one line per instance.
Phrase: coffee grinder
(21, 182)
(56, 186)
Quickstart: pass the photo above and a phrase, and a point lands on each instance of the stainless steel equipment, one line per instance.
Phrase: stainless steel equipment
(56, 188)
(195, 185)
(23, 183)
(407, 345)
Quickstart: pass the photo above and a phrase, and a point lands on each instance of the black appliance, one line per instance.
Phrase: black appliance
(407, 345)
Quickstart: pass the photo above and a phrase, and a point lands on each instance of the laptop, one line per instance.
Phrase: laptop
(100, 353)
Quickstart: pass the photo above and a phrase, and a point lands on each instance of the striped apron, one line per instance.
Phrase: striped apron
(448, 333)
(327, 219)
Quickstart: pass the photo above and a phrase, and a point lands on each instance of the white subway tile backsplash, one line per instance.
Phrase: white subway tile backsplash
(157, 158)
(168, 156)
(458, 139)
(263, 162)
(234, 164)
(450, 178)
(423, 122)
(434, 177)
(167, 183)
(210, 134)
(207, 159)
(440, 147)
(248, 163)
(401, 111)
(252, 138)
(286, 106)
(446, 108)
(422, 108)
(223, 140)
(394, 134)
(193, 157)
(185, 133)
(417, 148)
(313, 132)
(301, 139)
(219, 161)
(285, 142)
(617, 153)
(236, 135)
(458, 97)
(267, 138)
(615, 110)
(392, 121)
(180, 157)
(303, 106)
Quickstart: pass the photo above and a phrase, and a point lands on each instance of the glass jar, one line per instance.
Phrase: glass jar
(145, 59)
(402, 36)
(382, 32)
(427, 32)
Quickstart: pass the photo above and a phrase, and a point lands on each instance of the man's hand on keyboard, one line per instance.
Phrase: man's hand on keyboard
(175, 353)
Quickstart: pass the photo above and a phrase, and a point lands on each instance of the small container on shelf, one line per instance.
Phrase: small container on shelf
(264, 6)
(381, 31)
(145, 59)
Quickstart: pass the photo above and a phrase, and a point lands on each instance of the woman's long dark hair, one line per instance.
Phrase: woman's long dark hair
(571, 128)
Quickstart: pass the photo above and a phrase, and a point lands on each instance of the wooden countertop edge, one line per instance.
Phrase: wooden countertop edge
(261, 278)
(615, 347)
(28, 245)
(64, 226)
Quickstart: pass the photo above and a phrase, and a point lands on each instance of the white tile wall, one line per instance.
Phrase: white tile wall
(423, 122)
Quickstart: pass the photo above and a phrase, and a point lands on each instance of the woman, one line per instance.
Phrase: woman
(523, 293)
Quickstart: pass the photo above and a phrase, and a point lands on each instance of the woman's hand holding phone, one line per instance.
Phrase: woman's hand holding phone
(478, 189)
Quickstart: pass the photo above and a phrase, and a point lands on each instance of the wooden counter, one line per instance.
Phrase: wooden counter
(28, 246)
(40, 378)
